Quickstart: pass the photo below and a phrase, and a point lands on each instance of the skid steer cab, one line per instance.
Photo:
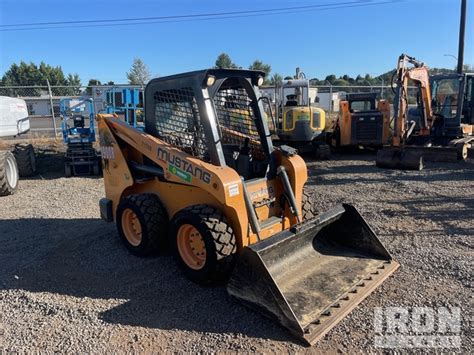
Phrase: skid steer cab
(362, 121)
(205, 179)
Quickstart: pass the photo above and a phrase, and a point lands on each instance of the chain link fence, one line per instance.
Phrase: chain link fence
(43, 101)
(329, 96)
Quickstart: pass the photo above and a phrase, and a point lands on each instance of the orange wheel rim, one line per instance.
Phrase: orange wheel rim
(131, 227)
(191, 246)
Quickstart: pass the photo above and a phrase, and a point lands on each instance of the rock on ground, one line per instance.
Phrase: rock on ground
(67, 283)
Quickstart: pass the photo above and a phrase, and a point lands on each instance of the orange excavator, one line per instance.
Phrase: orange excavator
(444, 130)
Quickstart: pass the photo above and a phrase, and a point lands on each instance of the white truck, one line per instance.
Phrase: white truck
(14, 121)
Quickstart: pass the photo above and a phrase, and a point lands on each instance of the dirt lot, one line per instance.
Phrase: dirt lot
(67, 284)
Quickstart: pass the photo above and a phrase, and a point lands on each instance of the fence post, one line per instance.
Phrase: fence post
(52, 107)
(330, 97)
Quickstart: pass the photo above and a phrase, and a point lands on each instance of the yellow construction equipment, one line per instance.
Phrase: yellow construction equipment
(362, 121)
(205, 177)
(299, 123)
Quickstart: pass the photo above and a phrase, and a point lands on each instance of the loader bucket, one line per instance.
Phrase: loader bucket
(309, 277)
(402, 159)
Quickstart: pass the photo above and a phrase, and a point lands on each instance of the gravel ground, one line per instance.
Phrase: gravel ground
(67, 283)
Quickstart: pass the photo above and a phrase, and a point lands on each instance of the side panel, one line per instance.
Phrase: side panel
(183, 173)
(384, 107)
(117, 175)
(13, 116)
(322, 118)
(298, 175)
(345, 123)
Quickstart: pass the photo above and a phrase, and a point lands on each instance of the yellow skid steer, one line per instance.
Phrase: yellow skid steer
(204, 178)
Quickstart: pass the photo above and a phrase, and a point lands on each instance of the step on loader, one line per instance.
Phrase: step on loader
(205, 179)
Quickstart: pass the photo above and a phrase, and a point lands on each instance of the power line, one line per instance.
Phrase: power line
(178, 16)
(192, 17)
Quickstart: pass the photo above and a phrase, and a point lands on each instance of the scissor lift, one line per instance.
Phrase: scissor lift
(81, 158)
(127, 103)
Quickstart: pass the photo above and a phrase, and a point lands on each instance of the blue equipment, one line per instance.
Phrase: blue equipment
(81, 158)
(127, 103)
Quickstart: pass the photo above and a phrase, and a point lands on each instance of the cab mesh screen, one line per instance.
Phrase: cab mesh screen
(237, 119)
(177, 121)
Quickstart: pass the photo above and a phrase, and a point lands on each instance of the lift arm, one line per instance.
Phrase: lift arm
(418, 73)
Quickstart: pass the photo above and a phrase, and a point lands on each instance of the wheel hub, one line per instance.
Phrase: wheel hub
(11, 172)
(191, 246)
(131, 227)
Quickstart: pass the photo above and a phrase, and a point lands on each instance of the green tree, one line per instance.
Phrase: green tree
(30, 74)
(276, 79)
(73, 80)
(331, 78)
(74, 85)
(468, 68)
(259, 65)
(27, 74)
(139, 73)
(223, 61)
(92, 82)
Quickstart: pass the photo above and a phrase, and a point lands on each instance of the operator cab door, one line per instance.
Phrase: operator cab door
(242, 127)
(468, 102)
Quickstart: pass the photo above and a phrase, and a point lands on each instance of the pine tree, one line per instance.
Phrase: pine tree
(139, 73)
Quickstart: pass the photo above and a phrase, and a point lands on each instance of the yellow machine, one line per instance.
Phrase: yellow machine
(300, 124)
(362, 121)
(205, 178)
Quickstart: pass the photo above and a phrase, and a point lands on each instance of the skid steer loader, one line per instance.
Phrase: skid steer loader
(205, 177)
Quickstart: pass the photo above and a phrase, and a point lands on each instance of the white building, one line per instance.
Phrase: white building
(330, 101)
(41, 105)
(269, 91)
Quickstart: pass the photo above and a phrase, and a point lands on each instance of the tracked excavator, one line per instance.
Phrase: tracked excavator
(299, 122)
(204, 178)
(445, 125)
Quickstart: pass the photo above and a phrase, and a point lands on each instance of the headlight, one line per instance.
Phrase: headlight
(316, 120)
(259, 81)
(289, 120)
(210, 80)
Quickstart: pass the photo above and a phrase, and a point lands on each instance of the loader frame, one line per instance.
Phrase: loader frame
(204, 173)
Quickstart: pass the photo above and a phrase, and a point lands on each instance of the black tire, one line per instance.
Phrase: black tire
(461, 151)
(8, 173)
(67, 169)
(219, 241)
(324, 152)
(95, 168)
(308, 210)
(336, 136)
(153, 220)
(25, 159)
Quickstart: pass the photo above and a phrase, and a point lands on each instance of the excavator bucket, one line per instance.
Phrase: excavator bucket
(309, 277)
(402, 159)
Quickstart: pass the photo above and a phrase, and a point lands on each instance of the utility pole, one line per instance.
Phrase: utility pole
(462, 29)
